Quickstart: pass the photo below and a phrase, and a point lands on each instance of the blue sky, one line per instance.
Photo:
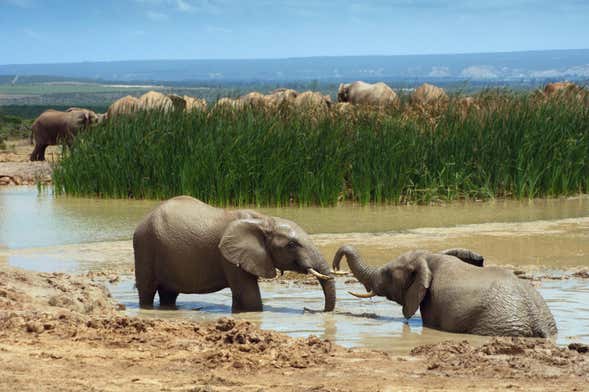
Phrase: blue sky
(37, 31)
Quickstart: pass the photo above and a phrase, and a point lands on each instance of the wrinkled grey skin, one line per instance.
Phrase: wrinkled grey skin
(454, 295)
(53, 127)
(187, 246)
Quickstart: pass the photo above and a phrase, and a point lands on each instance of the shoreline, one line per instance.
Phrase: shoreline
(69, 330)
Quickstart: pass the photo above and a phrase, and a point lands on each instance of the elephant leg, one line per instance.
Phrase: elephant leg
(146, 295)
(38, 153)
(244, 290)
(167, 297)
(41, 156)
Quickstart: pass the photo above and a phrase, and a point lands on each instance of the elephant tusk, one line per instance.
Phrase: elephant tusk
(367, 295)
(342, 273)
(318, 275)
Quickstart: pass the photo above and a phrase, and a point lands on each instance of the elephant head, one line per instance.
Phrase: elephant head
(343, 93)
(262, 244)
(86, 116)
(178, 102)
(404, 280)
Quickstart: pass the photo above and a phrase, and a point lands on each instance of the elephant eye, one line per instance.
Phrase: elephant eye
(292, 244)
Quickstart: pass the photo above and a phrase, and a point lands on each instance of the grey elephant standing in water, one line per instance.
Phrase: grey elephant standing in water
(187, 246)
(454, 295)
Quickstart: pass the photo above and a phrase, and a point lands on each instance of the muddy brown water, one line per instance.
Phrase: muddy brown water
(39, 231)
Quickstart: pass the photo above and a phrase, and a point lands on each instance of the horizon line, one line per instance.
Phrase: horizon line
(298, 58)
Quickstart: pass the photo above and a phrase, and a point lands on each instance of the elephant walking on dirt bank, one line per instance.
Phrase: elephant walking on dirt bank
(454, 295)
(187, 246)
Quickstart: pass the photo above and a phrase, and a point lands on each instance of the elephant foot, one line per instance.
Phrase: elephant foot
(167, 298)
(146, 298)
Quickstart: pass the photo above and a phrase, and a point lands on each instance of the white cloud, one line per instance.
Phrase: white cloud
(439, 72)
(184, 6)
(19, 3)
(156, 16)
(479, 72)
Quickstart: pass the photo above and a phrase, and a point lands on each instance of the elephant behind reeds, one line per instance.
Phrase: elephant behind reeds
(362, 93)
(124, 106)
(156, 101)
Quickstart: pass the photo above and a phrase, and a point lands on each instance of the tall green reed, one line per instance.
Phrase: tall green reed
(512, 146)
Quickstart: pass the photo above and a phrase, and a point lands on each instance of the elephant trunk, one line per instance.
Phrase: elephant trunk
(320, 265)
(364, 273)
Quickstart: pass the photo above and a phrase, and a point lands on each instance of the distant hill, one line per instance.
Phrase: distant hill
(485, 67)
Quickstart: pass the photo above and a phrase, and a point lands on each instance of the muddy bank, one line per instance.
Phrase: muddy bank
(71, 332)
(17, 169)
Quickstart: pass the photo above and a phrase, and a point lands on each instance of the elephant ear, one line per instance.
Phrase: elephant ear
(422, 277)
(244, 245)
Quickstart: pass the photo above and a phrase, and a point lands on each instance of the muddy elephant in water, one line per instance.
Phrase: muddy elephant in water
(53, 127)
(187, 246)
(428, 94)
(362, 93)
(454, 295)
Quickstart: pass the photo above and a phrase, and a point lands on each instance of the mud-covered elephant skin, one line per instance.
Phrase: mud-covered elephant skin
(455, 295)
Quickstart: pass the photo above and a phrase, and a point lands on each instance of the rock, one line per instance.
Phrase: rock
(34, 327)
(579, 347)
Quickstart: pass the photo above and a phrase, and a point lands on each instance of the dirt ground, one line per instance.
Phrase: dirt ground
(62, 332)
(17, 169)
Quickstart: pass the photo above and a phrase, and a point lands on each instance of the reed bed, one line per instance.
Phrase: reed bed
(511, 146)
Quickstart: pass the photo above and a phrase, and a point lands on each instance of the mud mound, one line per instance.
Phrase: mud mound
(65, 306)
(505, 357)
(25, 173)
(22, 290)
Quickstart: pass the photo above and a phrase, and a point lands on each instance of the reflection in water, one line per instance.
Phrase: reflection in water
(31, 219)
(384, 329)
(35, 230)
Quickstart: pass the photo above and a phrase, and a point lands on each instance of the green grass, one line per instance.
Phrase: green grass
(515, 148)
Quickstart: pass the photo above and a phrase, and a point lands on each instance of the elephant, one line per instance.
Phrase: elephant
(565, 90)
(187, 246)
(178, 102)
(124, 106)
(280, 97)
(229, 104)
(312, 100)
(558, 88)
(455, 293)
(195, 104)
(362, 93)
(154, 100)
(53, 127)
(467, 104)
(254, 99)
(428, 94)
